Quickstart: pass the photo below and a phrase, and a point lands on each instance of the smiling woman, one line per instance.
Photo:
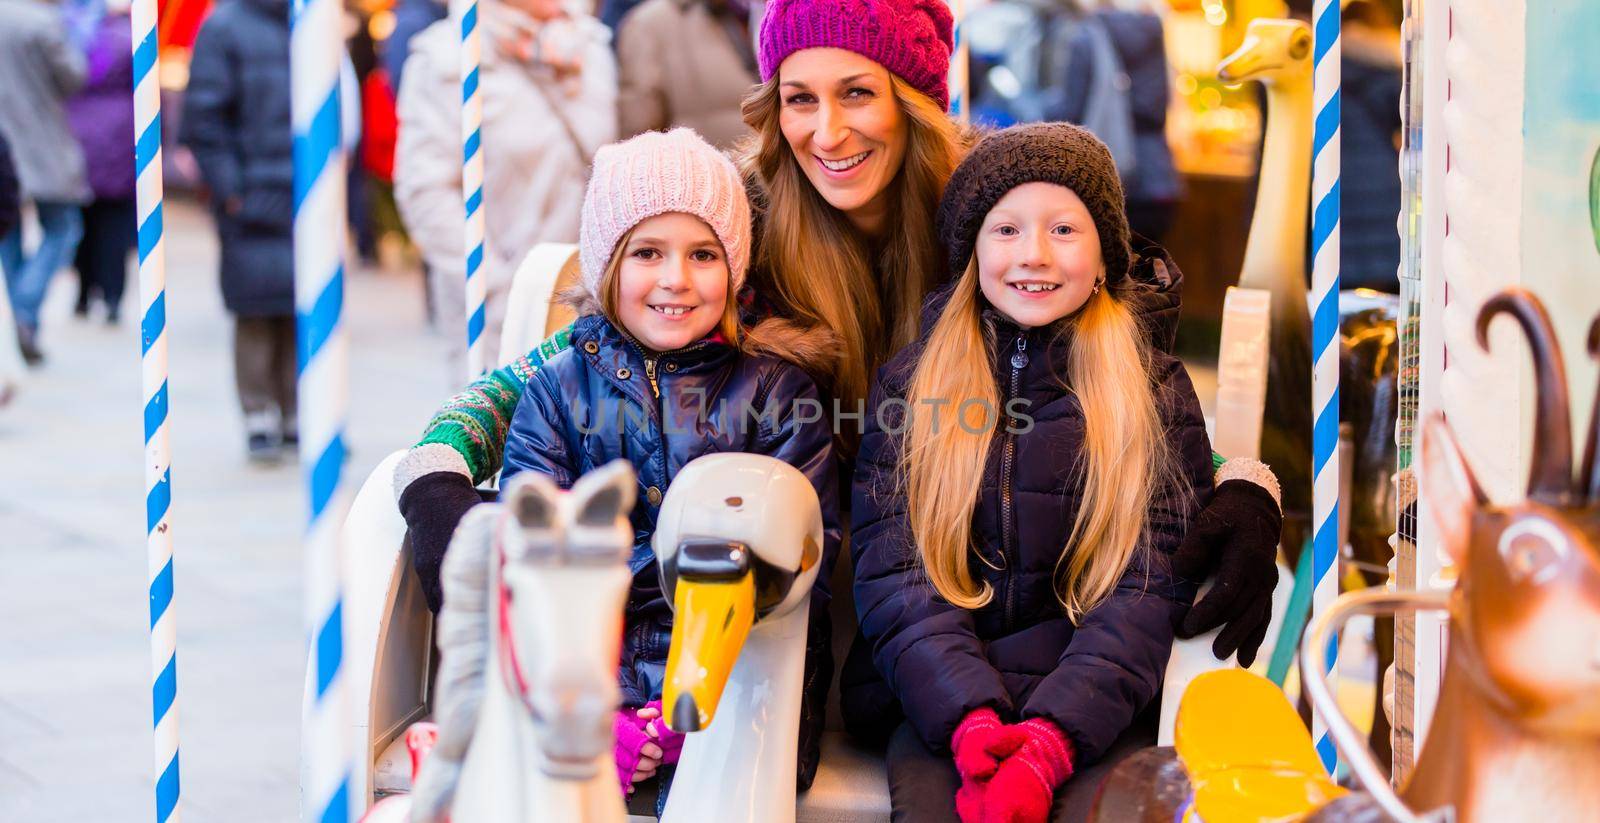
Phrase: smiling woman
(853, 157)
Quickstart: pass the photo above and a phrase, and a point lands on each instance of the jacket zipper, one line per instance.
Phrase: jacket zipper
(1019, 361)
(658, 410)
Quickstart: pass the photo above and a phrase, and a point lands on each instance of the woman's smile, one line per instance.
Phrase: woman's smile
(842, 168)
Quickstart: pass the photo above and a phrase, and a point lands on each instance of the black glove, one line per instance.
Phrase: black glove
(1235, 542)
(433, 505)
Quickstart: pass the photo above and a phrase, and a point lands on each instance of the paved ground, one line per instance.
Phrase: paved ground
(75, 740)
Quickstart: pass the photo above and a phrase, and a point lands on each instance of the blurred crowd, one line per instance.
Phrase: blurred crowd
(560, 78)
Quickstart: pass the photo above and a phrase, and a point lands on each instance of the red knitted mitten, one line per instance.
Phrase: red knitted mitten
(979, 744)
(1025, 784)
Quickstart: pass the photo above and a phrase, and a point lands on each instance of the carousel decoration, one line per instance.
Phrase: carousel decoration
(316, 45)
(530, 636)
(464, 14)
(1278, 54)
(1516, 735)
(739, 540)
(153, 339)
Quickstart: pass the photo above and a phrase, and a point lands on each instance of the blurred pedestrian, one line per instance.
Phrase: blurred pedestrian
(1136, 70)
(102, 118)
(39, 70)
(11, 366)
(10, 191)
(662, 84)
(549, 102)
(1369, 242)
(236, 122)
(410, 18)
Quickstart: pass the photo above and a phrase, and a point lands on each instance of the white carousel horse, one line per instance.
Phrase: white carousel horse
(530, 635)
(739, 541)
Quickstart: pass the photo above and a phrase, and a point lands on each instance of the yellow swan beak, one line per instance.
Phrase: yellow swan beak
(710, 623)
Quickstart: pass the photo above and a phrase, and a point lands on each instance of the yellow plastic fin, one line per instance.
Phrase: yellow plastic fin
(1248, 755)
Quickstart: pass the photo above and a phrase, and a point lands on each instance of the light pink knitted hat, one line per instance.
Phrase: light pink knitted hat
(659, 173)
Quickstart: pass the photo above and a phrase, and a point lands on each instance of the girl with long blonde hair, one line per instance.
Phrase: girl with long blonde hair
(1015, 514)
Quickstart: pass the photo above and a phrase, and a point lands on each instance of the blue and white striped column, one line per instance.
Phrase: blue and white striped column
(316, 48)
(465, 15)
(1325, 337)
(153, 380)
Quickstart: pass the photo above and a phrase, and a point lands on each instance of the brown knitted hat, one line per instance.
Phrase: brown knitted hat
(1058, 153)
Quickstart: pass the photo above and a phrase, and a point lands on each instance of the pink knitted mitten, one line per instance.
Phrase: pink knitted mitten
(1025, 784)
(629, 748)
(980, 743)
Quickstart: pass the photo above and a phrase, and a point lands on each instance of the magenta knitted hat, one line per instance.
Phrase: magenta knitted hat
(658, 173)
(908, 37)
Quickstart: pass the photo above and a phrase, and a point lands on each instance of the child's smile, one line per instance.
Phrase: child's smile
(1038, 254)
(672, 285)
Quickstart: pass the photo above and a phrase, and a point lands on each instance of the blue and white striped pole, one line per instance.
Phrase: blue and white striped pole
(465, 15)
(153, 379)
(316, 48)
(1325, 338)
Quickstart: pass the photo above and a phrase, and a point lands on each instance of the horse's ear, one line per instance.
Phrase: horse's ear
(1449, 486)
(605, 494)
(533, 500)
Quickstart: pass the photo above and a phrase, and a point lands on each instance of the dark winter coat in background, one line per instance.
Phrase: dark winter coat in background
(1141, 47)
(10, 192)
(236, 121)
(1020, 653)
(1369, 241)
(567, 424)
(102, 112)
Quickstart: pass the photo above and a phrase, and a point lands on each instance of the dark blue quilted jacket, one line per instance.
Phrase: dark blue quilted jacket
(1020, 653)
(605, 398)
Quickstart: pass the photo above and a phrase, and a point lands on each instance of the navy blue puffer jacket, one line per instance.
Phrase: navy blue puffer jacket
(598, 401)
(1020, 653)
(236, 121)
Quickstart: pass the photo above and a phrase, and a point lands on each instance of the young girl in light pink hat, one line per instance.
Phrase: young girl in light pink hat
(660, 371)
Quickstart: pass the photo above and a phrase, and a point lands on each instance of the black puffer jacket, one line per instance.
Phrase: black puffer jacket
(236, 121)
(566, 425)
(1020, 653)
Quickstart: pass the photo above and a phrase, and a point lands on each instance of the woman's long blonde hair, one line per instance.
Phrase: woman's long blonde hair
(820, 268)
(1125, 453)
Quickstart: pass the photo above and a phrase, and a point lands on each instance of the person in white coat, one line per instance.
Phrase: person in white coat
(549, 86)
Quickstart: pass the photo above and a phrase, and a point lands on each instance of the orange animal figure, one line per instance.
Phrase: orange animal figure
(1516, 735)
(1516, 731)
